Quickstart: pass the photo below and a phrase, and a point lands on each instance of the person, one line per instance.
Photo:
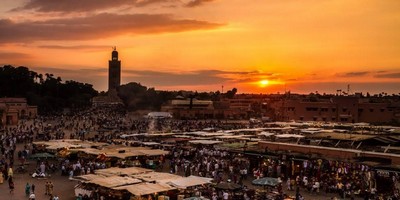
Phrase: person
(225, 195)
(47, 188)
(288, 184)
(315, 187)
(298, 193)
(10, 172)
(55, 197)
(33, 188)
(71, 174)
(245, 196)
(214, 196)
(51, 188)
(32, 196)
(27, 189)
(11, 185)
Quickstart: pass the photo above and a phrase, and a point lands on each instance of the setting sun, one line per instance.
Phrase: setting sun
(264, 83)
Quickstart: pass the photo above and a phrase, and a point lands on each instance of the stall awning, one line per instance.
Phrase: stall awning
(156, 176)
(289, 136)
(122, 171)
(114, 181)
(146, 188)
(190, 181)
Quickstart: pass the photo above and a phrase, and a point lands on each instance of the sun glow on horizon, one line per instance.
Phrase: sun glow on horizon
(264, 83)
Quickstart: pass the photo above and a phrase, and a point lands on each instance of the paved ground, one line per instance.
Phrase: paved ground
(62, 186)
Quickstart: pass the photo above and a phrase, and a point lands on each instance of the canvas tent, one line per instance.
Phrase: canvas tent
(114, 181)
(161, 115)
(146, 188)
(185, 182)
(156, 177)
(122, 171)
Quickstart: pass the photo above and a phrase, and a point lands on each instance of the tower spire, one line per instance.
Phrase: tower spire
(114, 71)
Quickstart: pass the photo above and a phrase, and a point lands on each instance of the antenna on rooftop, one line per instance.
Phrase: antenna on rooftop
(348, 89)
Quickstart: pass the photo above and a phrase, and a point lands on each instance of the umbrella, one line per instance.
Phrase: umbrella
(42, 155)
(228, 186)
(266, 181)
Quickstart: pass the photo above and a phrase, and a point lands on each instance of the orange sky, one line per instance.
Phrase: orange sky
(301, 46)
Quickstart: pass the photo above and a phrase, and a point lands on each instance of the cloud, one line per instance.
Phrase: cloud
(82, 47)
(194, 3)
(14, 58)
(148, 77)
(199, 77)
(388, 75)
(13, 55)
(82, 5)
(69, 71)
(354, 74)
(96, 27)
(375, 74)
(68, 6)
(149, 2)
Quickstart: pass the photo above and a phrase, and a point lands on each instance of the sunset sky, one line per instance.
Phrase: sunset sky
(257, 46)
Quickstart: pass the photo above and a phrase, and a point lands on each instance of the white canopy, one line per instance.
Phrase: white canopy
(146, 188)
(266, 134)
(122, 171)
(129, 135)
(289, 136)
(159, 115)
(114, 181)
(150, 143)
(156, 176)
(190, 181)
(245, 130)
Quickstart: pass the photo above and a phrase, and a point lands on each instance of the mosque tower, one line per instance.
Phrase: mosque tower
(114, 71)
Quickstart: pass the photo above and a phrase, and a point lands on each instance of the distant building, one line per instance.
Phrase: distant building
(114, 71)
(190, 108)
(346, 109)
(235, 108)
(14, 109)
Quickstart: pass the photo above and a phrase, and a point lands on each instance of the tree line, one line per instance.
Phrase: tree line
(48, 92)
(52, 95)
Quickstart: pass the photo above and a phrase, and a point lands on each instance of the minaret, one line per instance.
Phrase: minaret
(114, 71)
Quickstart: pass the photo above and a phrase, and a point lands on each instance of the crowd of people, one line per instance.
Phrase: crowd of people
(346, 179)
(328, 176)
